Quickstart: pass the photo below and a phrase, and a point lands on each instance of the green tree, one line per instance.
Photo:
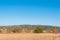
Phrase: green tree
(38, 29)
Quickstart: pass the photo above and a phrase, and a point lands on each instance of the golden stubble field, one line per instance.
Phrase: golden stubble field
(30, 36)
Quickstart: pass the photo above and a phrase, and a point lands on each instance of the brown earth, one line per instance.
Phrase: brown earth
(30, 36)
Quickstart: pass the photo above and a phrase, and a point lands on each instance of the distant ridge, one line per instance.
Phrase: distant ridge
(43, 26)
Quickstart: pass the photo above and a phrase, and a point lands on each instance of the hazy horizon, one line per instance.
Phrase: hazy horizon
(33, 12)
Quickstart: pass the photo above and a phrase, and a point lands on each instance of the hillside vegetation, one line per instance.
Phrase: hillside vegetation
(29, 29)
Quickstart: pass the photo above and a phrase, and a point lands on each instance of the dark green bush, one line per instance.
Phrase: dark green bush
(38, 29)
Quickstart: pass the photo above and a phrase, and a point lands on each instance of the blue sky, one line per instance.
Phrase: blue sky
(41, 12)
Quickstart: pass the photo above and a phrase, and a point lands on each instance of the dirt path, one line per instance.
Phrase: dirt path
(30, 36)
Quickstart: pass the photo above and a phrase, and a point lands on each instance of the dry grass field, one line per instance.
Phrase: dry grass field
(30, 36)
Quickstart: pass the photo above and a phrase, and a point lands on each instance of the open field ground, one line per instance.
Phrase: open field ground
(30, 36)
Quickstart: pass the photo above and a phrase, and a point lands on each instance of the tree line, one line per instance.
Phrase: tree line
(28, 29)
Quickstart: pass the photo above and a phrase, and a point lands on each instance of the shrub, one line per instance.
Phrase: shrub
(38, 29)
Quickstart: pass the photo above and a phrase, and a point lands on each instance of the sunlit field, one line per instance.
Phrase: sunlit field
(30, 36)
